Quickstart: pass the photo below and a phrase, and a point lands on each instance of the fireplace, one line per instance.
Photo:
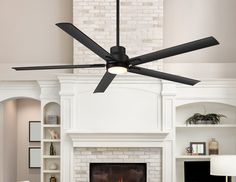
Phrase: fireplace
(118, 172)
(148, 149)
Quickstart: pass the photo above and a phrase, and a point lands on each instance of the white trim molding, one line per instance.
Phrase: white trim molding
(23, 89)
(220, 91)
(117, 139)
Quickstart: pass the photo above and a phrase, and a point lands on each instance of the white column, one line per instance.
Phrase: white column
(168, 124)
(168, 105)
(68, 101)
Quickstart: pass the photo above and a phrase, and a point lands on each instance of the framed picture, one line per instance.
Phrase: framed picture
(34, 157)
(34, 131)
(198, 148)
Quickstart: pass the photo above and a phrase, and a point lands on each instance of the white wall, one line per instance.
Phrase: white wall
(185, 21)
(10, 146)
(27, 110)
(29, 36)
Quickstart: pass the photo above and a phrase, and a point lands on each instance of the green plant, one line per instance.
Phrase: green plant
(210, 118)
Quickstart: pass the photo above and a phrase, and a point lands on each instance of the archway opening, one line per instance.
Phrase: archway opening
(15, 115)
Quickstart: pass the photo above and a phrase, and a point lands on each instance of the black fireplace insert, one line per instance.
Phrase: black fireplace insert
(118, 172)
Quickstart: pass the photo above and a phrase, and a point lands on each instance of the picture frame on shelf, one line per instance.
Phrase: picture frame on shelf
(34, 131)
(198, 148)
(34, 157)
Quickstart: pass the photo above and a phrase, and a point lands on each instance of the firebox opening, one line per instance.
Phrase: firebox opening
(118, 172)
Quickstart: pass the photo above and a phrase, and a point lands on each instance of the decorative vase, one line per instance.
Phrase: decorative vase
(213, 146)
(53, 179)
(52, 149)
(53, 166)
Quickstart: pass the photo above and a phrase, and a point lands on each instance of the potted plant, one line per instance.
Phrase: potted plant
(211, 118)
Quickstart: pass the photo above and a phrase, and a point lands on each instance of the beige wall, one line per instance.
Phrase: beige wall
(10, 146)
(1, 143)
(27, 110)
(29, 36)
(16, 115)
(185, 21)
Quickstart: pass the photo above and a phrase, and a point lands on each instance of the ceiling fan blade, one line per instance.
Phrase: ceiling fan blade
(172, 51)
(85, 40)
(58, 67)
(105, 82)
(161, 75)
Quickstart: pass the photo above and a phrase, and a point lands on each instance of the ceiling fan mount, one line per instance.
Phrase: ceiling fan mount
(117, 62)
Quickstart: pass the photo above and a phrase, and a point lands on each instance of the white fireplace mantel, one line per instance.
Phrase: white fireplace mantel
(146, 120)
(80, 139)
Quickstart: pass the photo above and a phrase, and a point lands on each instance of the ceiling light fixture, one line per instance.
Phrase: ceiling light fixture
(117, 70)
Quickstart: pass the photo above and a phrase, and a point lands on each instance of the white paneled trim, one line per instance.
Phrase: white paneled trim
(168, 105)
(77, 90)
(168, 113)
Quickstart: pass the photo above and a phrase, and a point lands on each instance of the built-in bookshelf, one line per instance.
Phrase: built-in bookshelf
(224, 132)
(51, 160)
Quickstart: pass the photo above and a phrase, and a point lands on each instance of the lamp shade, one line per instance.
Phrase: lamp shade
(223, 165)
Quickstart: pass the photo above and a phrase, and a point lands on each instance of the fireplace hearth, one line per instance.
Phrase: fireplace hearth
(118, 172)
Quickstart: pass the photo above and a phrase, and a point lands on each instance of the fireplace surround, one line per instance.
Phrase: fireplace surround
(149, 148)
(87, 131)
(100, 159)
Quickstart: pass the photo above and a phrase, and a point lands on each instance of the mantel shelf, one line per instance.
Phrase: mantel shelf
(116, 139)
(207, 126)
(119, 136)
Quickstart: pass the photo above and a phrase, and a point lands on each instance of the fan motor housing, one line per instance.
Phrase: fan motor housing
(121, 59)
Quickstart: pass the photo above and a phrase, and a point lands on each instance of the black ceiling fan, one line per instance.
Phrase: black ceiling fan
(117, 62)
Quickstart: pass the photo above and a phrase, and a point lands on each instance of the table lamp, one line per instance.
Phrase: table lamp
(223, 165)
